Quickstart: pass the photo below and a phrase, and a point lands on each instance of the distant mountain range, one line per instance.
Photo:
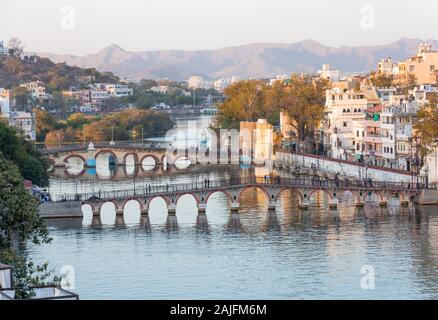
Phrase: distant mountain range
(259, 60)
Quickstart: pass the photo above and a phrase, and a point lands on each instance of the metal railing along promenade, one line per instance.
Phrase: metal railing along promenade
(241, 182)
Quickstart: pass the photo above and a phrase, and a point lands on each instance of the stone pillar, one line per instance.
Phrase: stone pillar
(172, 222)
(144, 212)
(235, 207)
(202, 206)
(120, 221)
(201, 220)
(334, 203)
(404, 203)
(271, 205)
(171, 209)
(304, 204)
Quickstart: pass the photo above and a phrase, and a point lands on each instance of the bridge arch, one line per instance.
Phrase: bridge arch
(187, 194)
(165, 198)
(135, 155)
(293, 191)
(312, 192)
(152, 156)
(74, 155)
(355, 194)
(368, 193)
(109, 151)
(263, 189)
(226, 193)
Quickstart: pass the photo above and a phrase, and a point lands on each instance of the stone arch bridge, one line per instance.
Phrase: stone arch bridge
(59, 157)
(304, 187)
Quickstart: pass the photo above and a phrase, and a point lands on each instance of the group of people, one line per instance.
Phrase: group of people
(272, 179)
(207, 183)
(43, 196)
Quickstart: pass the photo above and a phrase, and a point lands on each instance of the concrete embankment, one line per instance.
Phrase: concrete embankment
(68, 209)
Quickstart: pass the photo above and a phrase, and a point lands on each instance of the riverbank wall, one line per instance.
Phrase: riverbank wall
(346, 168)
(67, 209)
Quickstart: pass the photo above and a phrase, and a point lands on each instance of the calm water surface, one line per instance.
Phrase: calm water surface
(289, 254)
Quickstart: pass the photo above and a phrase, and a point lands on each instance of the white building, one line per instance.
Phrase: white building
(160, 89)
(196, 82)
(330, 74)
(24, 121)
(5, 101)
(343, 127)
(119, 90)
(36, 88)
(388, 67)
(280, 77)
(222, 83)
(3, 50)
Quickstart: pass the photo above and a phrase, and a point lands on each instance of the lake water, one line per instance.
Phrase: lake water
(289, 254)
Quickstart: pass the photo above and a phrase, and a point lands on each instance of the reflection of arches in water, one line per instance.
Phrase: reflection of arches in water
(87, 213)
(148, 162)
(187, 208)
(295, 194)
(74, 164)
(108, 213)
(158, 210)
(132, 211)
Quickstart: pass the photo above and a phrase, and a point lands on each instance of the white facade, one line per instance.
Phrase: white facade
(119, 90)
(280, 77)
(3, 50)
(344, 118)
(5, 105)
(36, 88)
(24, 121)
(328, 73)
(196, 82)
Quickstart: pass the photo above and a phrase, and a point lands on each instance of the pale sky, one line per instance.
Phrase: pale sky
(86, 26)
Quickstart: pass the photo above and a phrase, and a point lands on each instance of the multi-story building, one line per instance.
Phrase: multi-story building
(343, 119)
(387, 67)
(118, 90)
(5, 101)
(196, 82)
(424, 66)
(36, 88)
(256, 141)
(24, 121)
(328, 73)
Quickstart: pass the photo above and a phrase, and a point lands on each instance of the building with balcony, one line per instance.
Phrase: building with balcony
(37, 89)
(23, 121)
(424, 66)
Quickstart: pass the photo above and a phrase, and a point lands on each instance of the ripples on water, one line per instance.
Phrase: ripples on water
(290, 254)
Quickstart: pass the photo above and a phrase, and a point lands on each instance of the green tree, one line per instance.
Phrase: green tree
(244, 101)
(303, 100)
(23, 153)
(22, 98)
(20, 222)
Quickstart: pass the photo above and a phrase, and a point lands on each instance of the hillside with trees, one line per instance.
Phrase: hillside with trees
(16, 69)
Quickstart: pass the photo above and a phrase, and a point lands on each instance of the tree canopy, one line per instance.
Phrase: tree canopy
(30, 162)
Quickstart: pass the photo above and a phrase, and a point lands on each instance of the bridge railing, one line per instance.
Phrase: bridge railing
(194, 186)
(147, 146)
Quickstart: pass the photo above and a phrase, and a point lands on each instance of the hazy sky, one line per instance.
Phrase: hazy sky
(86, 26)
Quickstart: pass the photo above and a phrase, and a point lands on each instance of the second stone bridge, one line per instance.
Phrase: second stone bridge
(233, 189)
